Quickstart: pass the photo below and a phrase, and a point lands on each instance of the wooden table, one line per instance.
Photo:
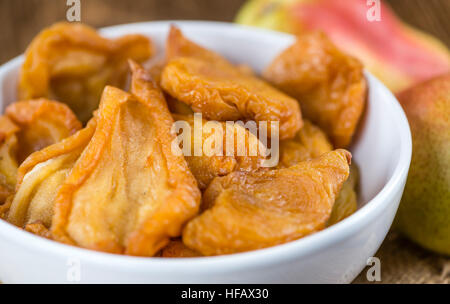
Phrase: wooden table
(21, 20)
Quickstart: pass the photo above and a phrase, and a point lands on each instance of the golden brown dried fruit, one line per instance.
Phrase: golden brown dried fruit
(42, 123)
(175, 106)
(218, 160)
(347, 202)
(127, 193)
(40, 177)
(221, 91)
(8, 161)
(329, 84)
(310, 142)
(34, 198)
(176, 249)
(29, 126)
(259, 209)
(155, 68)
(177, 45)
(73, 63)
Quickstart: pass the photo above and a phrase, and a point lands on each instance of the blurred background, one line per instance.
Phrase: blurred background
(21, 20)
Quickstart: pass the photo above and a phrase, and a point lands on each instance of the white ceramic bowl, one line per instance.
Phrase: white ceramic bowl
(382, 149)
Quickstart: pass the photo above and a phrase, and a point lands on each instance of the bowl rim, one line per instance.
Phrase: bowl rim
(300, 248)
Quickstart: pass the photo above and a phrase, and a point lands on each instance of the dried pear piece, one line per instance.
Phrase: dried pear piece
(155, 68)
(33, 201)
(42, 123)
(221, 91)
(310, 142)
(175, 106)
(29, 126)
(347, 201)
(40, 177)
(176, 249)
(329, 84)
(127, 193)
(219, 160)
(8, 159)
(177, 45)
(247, 211)
(72, 63)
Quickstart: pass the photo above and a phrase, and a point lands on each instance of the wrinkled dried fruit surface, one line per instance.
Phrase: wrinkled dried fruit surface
(216, 159)
(8, 159)
(26, 127)
(155, 67)
(176, 249)
(42, 123)
(127, 193)
(310, 142)
(175, 106)
(40, 177)
(329, 84)
(347, 201)
(221, 91)
(33, 201)
(247, 211)
(73, 63)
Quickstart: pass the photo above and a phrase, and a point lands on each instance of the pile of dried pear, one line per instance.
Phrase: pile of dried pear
(87, 162)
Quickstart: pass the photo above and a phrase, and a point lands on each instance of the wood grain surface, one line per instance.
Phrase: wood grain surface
(21, 20)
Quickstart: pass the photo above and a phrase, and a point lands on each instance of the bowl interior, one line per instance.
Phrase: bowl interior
(382, 141)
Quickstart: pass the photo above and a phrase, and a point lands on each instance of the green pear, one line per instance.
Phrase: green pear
(424, 212)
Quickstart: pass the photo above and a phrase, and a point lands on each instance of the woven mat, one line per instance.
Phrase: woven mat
(404, 262)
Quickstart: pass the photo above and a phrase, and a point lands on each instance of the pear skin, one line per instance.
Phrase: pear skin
(424, 212)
